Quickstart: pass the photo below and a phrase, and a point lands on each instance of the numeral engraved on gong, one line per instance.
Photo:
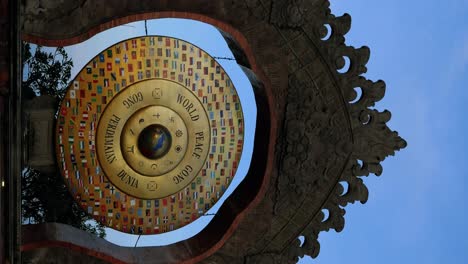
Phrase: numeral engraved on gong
(131, 131)
(131, 149)
(154, 166)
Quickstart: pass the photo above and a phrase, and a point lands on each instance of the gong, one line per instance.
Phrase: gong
(149, 134)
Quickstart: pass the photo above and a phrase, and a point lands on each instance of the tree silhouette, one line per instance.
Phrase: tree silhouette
(45, 198)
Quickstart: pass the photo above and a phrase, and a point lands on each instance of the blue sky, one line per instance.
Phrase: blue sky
(209, 39)
(416, 210)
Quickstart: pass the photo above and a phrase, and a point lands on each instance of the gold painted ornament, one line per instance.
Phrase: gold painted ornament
(149, 134)
(142, 153)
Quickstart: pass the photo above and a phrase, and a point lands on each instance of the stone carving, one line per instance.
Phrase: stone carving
(269, 258)
(288, 13)
(372, 141)
(32, 9)
(329, 135)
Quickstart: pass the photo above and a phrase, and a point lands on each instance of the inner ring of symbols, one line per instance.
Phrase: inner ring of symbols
(153, 138)
(166, 129)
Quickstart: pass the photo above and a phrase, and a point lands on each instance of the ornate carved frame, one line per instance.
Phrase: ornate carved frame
(315, 135)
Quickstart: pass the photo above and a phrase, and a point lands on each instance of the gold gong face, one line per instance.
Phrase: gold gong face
(149, 135)
(153, 146)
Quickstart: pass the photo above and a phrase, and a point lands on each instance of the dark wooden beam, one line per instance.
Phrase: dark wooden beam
(10, 134)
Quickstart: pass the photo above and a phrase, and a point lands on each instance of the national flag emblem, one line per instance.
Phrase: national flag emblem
(61, 149)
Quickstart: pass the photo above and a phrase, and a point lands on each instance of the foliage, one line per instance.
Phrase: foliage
(45, 198)
(46, 73)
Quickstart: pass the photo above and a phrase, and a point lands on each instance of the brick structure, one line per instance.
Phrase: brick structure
(314, 138)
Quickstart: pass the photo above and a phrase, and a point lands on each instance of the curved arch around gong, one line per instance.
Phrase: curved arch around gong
(221, 227)
(310, 134)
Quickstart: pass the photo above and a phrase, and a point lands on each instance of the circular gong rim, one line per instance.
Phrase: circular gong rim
(127, 207)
